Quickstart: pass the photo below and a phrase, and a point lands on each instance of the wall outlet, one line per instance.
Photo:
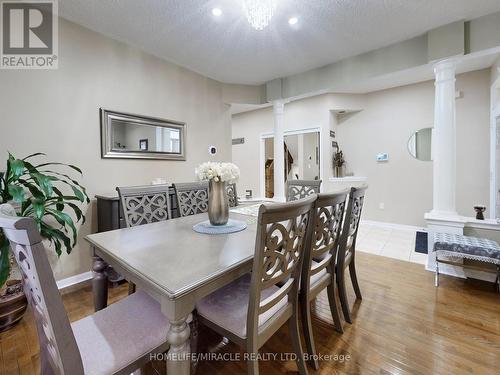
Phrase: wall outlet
(381, 205)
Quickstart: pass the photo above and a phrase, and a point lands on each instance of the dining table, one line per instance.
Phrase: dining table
(175, 265)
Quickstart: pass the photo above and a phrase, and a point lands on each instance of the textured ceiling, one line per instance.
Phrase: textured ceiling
(229, 50)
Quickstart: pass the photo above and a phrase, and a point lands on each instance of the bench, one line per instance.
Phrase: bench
(459, 247)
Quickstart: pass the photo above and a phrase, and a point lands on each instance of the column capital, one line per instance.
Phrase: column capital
(279, 107)
(449, 65)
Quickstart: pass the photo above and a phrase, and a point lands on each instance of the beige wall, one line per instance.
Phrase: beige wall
(385, 123)
(404, 184)
(57, 112)
(495, 75)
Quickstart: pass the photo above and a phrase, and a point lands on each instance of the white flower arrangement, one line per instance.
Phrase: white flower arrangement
(224, 172)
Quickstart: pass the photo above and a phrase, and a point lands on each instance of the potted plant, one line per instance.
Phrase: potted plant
(46, 195)
(338, 163)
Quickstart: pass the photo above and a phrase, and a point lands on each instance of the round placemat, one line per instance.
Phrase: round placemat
(232, 226)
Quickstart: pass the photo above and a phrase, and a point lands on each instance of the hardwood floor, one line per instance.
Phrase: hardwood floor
(403, 325)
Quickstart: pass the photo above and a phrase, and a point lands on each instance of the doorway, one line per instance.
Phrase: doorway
(302, 159)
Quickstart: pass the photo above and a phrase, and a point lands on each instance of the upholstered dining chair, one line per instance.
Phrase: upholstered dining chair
(232, 195)
(298, 189)
(192, 197)
(347, 248)
(116, 340)
(318, 270)
(144, 205)
(251, 309)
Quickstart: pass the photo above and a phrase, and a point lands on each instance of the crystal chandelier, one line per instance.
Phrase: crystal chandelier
(259, 12)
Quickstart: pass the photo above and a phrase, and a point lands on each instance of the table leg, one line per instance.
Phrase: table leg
(178, 359)
(100, 284)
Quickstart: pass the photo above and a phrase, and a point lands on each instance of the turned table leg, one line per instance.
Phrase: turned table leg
(100, 284)
(178, 359)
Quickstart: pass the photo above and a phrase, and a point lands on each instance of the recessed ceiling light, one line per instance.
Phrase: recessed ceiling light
(293, 20)
(217, 12)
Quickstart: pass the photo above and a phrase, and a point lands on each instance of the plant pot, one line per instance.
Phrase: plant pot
(218, 203)
(12, 306)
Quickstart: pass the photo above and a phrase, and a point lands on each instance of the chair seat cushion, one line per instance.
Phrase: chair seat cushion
(120, 334)
(467, 247)
(228, 306)
(315, 278)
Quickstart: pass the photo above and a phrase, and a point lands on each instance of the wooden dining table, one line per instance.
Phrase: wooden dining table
(175, 265)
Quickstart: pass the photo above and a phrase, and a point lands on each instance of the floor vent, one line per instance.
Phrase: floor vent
(421, 243)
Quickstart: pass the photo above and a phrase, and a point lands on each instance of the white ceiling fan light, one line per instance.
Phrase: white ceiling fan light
(259, 12)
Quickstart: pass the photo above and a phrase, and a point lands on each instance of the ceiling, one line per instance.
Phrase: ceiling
(227, 49)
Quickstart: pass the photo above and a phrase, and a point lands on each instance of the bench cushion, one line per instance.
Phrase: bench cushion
(457, 245)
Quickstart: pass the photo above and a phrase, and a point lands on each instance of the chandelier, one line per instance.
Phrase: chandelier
(259, 12)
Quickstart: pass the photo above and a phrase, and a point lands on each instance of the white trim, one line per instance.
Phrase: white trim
(382, 224)
(74, 280)
(495, 113)
(264, 136)
(490, 224)
(348, 179)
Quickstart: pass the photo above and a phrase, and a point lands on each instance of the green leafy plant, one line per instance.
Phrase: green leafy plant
(45, 195)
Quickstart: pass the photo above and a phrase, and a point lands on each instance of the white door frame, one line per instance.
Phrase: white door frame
(262, 152)
(495, 115)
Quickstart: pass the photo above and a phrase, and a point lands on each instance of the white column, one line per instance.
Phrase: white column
(279, 150)
(444, 141)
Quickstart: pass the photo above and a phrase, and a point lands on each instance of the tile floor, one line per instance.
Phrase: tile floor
(395, 243)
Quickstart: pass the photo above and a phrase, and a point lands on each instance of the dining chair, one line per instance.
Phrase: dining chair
(144, 205)
(318, 270)
(192, 197)
(251, 309)
(116, 340)
(298, 189)
(347, 248)
(232, 195)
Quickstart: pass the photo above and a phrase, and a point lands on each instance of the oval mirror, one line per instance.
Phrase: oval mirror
(419, 144)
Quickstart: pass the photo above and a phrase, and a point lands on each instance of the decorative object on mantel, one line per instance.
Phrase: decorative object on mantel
(218, 175)
(479, 211)
(338, 163)
(38, 192)
(232, 226)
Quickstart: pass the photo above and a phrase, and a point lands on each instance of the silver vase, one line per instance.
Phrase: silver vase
(218, 203)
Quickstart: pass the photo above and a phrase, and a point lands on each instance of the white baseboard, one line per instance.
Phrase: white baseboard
(74, 280)
(382, 224)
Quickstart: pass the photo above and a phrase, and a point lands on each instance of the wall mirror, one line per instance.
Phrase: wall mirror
(130, 136)
(419, 144)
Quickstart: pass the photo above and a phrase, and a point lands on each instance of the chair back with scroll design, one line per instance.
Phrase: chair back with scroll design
(350, 228)
(329, 212)
(59, 351)
(298, 189)
(283, 233)
(192, 197)
(232, 196)
(144, 204)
